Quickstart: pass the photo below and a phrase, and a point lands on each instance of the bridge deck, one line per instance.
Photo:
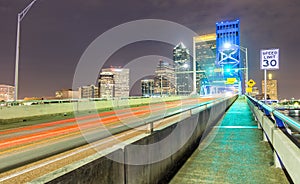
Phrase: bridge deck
(232, 153)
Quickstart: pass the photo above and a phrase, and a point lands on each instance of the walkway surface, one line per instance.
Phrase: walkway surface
(232, 153)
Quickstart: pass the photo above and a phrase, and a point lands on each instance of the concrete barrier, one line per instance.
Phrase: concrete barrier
(31, 112)
(286, 152)
(94, 169)
(174, 143)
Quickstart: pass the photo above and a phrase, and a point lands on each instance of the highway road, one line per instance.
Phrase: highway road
(24, 145)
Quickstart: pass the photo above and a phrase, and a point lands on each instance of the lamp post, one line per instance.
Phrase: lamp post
(21, 15)
(245, 50)
(161, 86)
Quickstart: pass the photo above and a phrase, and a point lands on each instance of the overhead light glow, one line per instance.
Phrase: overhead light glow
(227, 45)
(185, 65)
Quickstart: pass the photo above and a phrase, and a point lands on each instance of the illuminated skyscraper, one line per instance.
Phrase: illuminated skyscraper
(67, 94)
(205, 59)
(164, 80)
(121, 81)
(147, 87)
(90, 91)
(106, 85)
(228, 52)
(6, 92)
(183, 68)
(271, 87)
(228, 32)
(205, 51)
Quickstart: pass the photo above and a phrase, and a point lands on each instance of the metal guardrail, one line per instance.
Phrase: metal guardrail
(205, 105)
(282, 132)
(281, 120)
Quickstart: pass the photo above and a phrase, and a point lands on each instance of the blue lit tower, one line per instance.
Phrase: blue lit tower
(228, 51)
(183, 68)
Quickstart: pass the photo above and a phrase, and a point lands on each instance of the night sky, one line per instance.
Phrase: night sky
(55, 33)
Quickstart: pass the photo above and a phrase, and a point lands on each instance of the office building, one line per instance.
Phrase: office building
(7, 92)
(66, 94)
(164, 80)
(90, 91)
(205, 52)
(121, 81)
(255, 92)
(106, 85)
(147, 87)
(272, 91)
(205, 60)
(183, 68)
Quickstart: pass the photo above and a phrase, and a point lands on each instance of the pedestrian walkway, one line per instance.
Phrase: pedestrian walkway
(232, 153)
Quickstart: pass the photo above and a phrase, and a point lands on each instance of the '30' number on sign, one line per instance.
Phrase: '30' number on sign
(267, 63)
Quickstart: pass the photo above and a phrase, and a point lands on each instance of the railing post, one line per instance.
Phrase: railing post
(276, 160)
(150, 125)
(265, 138)
(258, 124)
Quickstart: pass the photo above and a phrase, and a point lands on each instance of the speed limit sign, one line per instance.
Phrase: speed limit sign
(269, 59)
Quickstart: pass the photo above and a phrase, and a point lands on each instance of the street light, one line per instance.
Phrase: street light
(228, 45)
(20, 18)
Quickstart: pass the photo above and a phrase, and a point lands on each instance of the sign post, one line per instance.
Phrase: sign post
(269, 60)
(265, 77)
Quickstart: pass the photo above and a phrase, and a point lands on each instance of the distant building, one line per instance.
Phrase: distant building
(7, 92)
(271, 87)
(33, 98)
(106, 85)
(255, 91)
(147, 87)
(183, 68)
(67, 94)
(205, 58)
(205, 52)
(121, 81)
(164, 80)
(90, 91)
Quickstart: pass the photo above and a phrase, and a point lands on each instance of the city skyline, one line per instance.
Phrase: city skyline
(52, 44)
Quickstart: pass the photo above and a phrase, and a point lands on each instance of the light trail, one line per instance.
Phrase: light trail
(48, 134)
(25, 139)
